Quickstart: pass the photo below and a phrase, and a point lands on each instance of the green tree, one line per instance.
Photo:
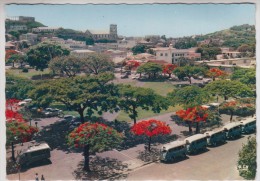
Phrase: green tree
(227, 88)
(92, 93)
(94, 138)
(96, 63)
(247, 159)
(150, 68)
(189, 71)
(189, 96)
(17, 87)
(139, 49)
(68, 65)
(18, 58)
(246, 76)
(185, 43)
(208, 52)
(89, 41)
(132, 98)
(40, 55)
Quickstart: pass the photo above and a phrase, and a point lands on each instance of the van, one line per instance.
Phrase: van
(34, 153)
(248, 125)
(195, 143)
(215, 137)
(233, 130)
(173, 150)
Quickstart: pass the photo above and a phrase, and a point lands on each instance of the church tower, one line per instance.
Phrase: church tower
(113, 31)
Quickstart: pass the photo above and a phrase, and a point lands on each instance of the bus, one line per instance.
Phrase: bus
(34, 153)
(248, 125)
(173, 150)
(195, 143)
(215, 137)
(233, 130)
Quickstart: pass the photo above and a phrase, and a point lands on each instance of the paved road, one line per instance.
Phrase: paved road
(217, 163)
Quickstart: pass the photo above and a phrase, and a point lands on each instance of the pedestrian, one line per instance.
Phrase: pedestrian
(42, 178)
(36, 177)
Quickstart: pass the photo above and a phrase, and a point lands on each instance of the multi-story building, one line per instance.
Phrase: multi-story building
(17, 28)
(69, 44)
(21, 18)
(172, 55)
(109, 35)
(101, 47)
(30, 37)
(45, 29)
(81, 53)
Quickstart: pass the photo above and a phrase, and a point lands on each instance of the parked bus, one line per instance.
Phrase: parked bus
(195, 143)
(233, 130)
(248, 125)
(34, 153)
(173, 150)
(215, 137)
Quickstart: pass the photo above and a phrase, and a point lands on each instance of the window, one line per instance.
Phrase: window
(161, 54)
(166, 54)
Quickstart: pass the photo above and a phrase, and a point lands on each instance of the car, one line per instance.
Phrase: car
(50, 112)
(68, 117)
(124, 76)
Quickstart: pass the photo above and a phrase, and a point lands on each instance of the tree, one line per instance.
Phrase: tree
(230, 107)
(40, 55)
(246, 76)
(8, 54)
(189, 72)
(93, 138)
(151, 128)
(68, 65)
(17, 58)
(11, 110)
(93, 93)
(96, 63)
(189, 96)
(247, 159)
(208, 52)
(215, 72)
(89, 41)
(193, 115)
(227, 88)
(168, 69)
(139, 49)
(17, 87)
(132, 64)
(132, 98)
(185, 43)
(149, 68)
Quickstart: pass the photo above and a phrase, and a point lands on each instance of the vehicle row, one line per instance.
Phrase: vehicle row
(199, 142)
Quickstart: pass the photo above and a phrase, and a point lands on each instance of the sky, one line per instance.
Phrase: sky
(172, 20)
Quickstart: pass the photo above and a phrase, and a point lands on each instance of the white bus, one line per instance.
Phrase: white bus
(173, 150)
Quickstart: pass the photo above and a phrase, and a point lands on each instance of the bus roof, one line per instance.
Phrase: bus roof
(231, 125)
(173, 144)
(210, 133)
(247, 120)
(37, 147)
(195, 137)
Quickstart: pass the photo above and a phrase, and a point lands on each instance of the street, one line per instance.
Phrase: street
(217, 163)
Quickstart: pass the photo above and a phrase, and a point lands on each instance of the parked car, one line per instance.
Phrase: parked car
(50, 112)
(124, 76)
(69, 117)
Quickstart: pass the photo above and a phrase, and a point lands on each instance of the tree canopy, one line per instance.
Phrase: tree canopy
(149, 68)
(40, 55)
(139, 49)
(131, 98)
(96, 63)
(94, 137)
(247, 159)
(246, 76)
(189, 72)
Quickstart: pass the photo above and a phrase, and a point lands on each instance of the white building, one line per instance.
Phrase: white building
(69, 44)
(30, 37)
(18, 28)
(81, 53)
(171, 55)
(45, 29)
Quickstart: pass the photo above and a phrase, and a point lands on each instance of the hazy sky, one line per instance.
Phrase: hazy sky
(138, 20)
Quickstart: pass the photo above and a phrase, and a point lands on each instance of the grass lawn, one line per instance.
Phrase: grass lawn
(162, 88)
(123, 116)
(32, 72)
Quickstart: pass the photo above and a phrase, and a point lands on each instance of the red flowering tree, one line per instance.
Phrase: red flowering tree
(11, 111)
(215, 72)
(150, 128)
(193, 115)
(17, 131)
(9, 53)
(167, 69)
(132, 64)
(93, 137)
(230, 106)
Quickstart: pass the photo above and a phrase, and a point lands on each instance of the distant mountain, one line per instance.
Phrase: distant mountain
(234, 36)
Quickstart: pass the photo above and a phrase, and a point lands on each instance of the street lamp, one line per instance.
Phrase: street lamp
(36, 123)
(12, 143)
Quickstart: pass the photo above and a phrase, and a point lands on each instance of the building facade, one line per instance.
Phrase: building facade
(17, 28)
(45, 29)
(172, 55)
(109, 35)
(30, 37)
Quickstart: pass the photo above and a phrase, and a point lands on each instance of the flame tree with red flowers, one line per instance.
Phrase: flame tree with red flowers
(168, 69)
(230, 107)
(215, 72)
(93, 137)
(132, 64)
(151, 128)
(11, 111)
(193, 115)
